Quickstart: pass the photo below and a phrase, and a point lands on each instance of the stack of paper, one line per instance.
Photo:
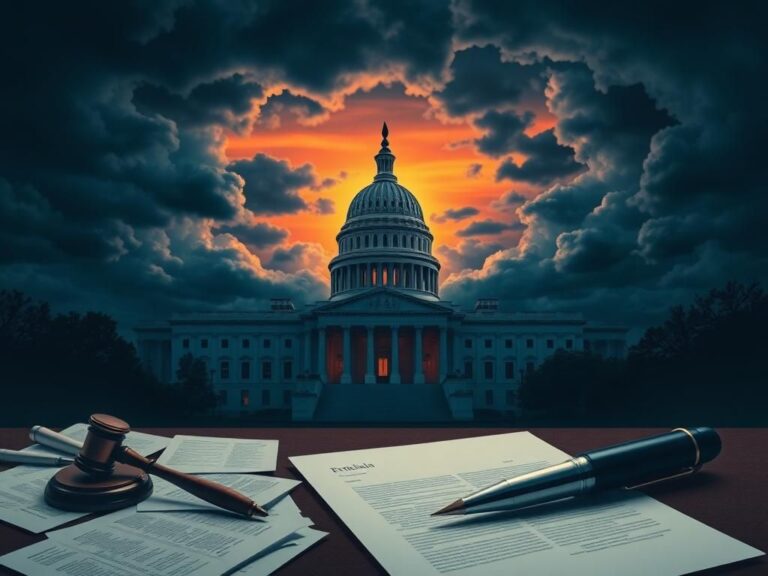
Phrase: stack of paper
(172, 532)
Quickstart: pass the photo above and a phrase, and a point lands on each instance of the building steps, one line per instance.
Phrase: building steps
(382, 403)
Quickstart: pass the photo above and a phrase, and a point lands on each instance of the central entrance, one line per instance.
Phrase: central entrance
(382, 353)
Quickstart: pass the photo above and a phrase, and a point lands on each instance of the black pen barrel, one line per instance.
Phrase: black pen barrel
(652, 458)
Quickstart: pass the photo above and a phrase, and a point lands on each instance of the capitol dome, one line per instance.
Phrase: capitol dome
(384, 241)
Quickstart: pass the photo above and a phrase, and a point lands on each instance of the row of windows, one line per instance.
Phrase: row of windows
(245, 397)
(394, 240)
(509, 343)
(489, 368)
(245, 369)
(244, 342)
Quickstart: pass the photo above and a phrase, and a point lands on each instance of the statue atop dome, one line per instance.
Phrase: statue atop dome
(385, 160)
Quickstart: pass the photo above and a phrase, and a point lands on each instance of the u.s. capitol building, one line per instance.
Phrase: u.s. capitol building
(384, 346)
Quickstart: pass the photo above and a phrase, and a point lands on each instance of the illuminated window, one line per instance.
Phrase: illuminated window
(245, 398)
(382, 367)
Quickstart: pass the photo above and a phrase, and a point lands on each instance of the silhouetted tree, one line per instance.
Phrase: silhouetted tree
(195, 390)
(575, 385)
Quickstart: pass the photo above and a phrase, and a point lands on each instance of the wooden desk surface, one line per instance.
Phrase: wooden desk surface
(730, 496)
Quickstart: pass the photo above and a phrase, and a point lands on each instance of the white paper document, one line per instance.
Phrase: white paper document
(127, 543)
(298, 543)
(386, 496)
(201, 454)
(22, 487)
(264, 490)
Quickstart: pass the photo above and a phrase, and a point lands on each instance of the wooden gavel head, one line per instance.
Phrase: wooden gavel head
(102, 444)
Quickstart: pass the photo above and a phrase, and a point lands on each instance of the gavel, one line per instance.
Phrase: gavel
(103, 447)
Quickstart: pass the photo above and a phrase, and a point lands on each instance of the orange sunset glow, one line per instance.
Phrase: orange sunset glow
(432, 161)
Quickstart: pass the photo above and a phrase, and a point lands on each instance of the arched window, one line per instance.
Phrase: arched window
(385, 241)
(375, 240)
(367, 238)
(413, 242)
(395, 241)
(357, 242)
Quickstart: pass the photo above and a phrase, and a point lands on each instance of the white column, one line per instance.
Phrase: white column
(418, 359)
(346, 373)
(370, 377)
(394, 377)
(321, 363)
(443, 353)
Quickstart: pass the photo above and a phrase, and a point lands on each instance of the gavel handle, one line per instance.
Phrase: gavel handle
(212, 492)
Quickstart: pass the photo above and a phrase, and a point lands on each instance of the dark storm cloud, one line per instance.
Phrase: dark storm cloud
(314, 46)
(324, 206)
(469, 254)
(225, 101)
(674, 183)
(509, 200)
(296, 258)
(455, 214)
(286, 104)
(473, 171)
(481, 80)
(488, 228)
(257, 236)
(546, 160)
(272, 185)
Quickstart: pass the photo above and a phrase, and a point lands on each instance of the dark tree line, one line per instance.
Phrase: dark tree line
(705, 364)
(56, 369)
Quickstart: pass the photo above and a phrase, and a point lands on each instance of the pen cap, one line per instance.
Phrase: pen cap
(708, 441)
(652, 458)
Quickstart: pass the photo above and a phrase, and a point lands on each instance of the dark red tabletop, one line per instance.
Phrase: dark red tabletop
(731, 495)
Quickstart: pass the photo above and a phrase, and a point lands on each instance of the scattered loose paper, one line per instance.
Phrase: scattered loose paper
(386, 496)
(201, 454)
(269, 562)
(22, 487)
(264, 490)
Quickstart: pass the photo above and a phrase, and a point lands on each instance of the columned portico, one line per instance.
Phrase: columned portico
(346, 374)
(418, 361)
(395, 376)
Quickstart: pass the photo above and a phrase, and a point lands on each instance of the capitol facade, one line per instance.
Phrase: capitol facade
(384, 346)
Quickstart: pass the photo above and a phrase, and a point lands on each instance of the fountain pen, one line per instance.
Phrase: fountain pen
(629, 465)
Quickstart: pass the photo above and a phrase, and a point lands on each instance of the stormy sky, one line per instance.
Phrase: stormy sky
(598, 157)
